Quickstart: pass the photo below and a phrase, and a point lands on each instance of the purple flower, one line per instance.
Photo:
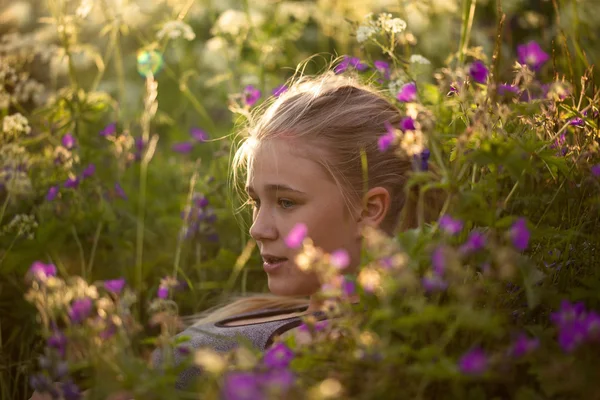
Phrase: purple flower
(278, 356)
(383, 67)
(70, 391)
(340, 259)
(68, 141)
(120, 192)
(139, 146)
(578, 122)
(350, 62)
(200, 200)
(182, 147)
(523, 345)
(71, 182)
(407, 124)
(279, 379)
(52, 193)
(407, 93)
(434, 283)
(506, 89)
(422, 160)
(251, 95)
(453, 90)
(115, 285)
(41, 271)
(109, 130)
(532, 55)
(596, 170)
(42, 384)
(520, 234)
(318, 326)
(474, 362)
(279, 90)
(384, 142)
(348, 287)
(80, 310)
(199, 134)
(568, 312)
(438, 261)
(58, 341)
(478, 72)
(572, 335)
(88, 171)
(450, 225)
(475, 241)
(162, 292)
(296, 236)
(241, 386)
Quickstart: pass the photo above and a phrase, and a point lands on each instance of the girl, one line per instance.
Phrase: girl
(303, 162)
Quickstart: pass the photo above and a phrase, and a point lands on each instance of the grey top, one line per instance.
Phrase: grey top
(222, 338)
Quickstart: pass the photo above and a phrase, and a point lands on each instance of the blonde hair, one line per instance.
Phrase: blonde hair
(342, 119)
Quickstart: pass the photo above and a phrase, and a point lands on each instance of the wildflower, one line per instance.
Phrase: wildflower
(162, 292)
(383, 68)
(278, 356)
(418, 59)
(209, 360)
(407, 93)
(520, 234)
(407, 124)
(453, 90)
(120, 192)
(279, 90)
(532, 55)
(176, 29)
(317, 326)
(475, 241)
(109, 130)
(296, 236)
(41, 271)
(80, 310)
(523, 345)
(70, 391)
(71, 182)
(438, 261)
(199, 134)
(570, 320)
(42, 384)
(52, 193)
(434, 283)
(182, 147)
(68, 141)
(578, 122)
(251, 95)
(504, 89)
(422, 160)
(369, 279)
(478, 72)
(348, 287)
(474, 362)
(340, 259)
(139, 145)
(350, 62)
(241, 386)
(596, 170)
(392, 25)
(115, 285)
(58, 341)
(450, 225)
(89, 171)
(363, 33)
(386, 140)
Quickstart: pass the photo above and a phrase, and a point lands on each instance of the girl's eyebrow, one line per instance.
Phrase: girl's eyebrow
(276, 188)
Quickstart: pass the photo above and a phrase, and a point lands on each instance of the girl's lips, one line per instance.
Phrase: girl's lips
(270, 266)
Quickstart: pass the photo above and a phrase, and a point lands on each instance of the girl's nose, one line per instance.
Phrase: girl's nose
(263, 228)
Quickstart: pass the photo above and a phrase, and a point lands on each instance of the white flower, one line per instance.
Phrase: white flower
(84, 8)
(363, 33)
(14, 125)
(419, 59)
(176, 29)
(287, 10)
(233, 22)
(395, 25)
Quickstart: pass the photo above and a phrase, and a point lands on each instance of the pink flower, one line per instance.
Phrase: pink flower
(387, 139)
(340, 259)
(296, 236)
(532, 55)
(474, 362)
(407, 93)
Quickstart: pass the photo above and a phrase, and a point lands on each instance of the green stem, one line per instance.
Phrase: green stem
(81, 253)
(94, 246)
(467, 24)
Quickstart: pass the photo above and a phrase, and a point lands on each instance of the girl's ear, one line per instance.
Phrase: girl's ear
(376, 205)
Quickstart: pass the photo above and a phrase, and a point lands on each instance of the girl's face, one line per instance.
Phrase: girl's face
(287, 189)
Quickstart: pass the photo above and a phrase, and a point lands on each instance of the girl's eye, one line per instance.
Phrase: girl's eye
(285, 204)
